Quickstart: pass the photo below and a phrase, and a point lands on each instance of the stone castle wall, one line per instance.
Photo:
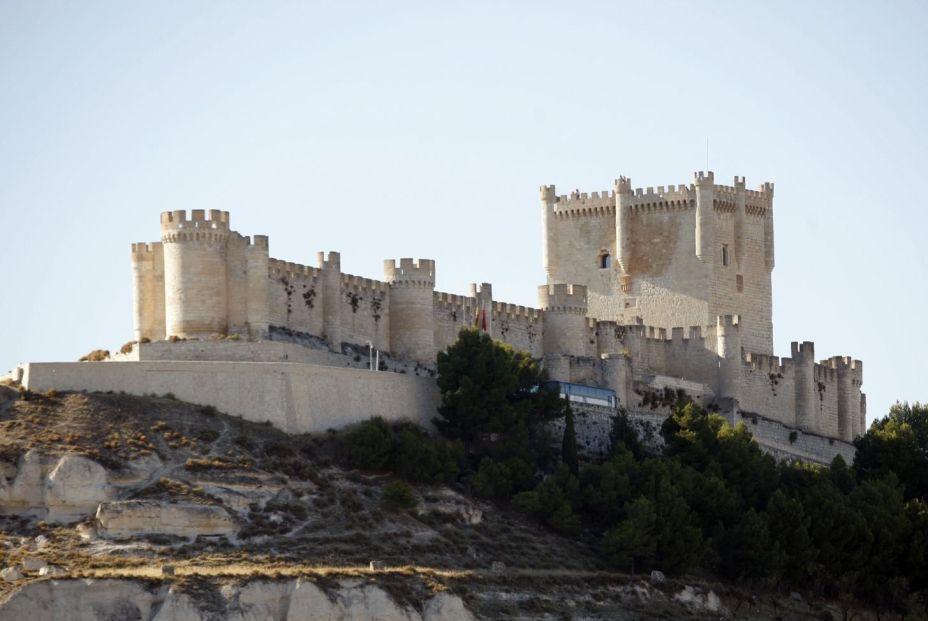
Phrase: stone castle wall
(297, 398)
(692, 262)
(593, 426)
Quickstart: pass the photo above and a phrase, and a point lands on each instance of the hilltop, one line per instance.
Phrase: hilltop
(241, 508)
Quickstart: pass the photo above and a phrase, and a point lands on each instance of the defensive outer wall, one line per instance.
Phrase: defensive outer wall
(649, 291)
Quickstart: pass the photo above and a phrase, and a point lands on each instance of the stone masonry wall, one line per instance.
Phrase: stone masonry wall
(365, 311)
(295, 296)
(593, 426)
(296, 398)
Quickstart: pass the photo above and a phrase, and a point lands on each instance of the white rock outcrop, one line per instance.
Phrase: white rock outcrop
(132, 518)
(371, 603)
(26, 494)
(79, 600)
(260, 600)
(180, 607)
(57, 489)
(446, 607)
(293, 600)
(74, 488)
(308, 601)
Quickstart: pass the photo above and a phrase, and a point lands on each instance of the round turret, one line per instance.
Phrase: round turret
(728, 337)
(412, 287)
(565, 322)
(705, 218)
(196, 296)
(148, 290)
(803, 361)
(623, 198)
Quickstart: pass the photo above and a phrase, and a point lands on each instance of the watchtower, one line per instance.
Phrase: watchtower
(195, 289)
(412, 317)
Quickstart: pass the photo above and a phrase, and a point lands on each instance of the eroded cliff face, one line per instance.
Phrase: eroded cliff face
(292, 600)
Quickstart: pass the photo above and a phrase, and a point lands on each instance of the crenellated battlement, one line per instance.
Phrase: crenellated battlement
(847, 364)
(703, 178)
(259, 242)
(583, 204)
(361, 284)
(284, 269)
(329, 260)
(804, 351)
(654, 333)
(824, 374)
(578, 199)
(563, 298)
(729, 322)
(410, 273)
(453, 299)
(198, 219)
(548, 194)
(515, 311)
(458, 306)
(142, 250)
(772, 365)
(177, 227)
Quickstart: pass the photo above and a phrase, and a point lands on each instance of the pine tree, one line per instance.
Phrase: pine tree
(569, 444)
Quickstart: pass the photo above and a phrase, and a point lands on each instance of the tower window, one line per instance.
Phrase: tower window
(725, 254)
(605, 261)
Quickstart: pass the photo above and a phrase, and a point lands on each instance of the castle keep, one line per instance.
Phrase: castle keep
(648, 290)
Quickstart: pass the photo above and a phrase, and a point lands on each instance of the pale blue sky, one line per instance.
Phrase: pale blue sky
(424, 129)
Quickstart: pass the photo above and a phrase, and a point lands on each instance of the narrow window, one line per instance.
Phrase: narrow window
(724, 254)
(605, 261)
(739, 281)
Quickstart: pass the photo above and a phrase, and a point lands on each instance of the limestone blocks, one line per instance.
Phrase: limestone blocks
(132, 518)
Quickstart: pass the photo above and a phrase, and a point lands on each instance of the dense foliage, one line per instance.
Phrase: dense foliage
(491, 402)
(405, 449)
(709, 501)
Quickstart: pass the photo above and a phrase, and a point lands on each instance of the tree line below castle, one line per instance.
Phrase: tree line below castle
(710, 502)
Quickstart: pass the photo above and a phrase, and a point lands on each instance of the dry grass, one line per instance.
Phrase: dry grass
(218, 568)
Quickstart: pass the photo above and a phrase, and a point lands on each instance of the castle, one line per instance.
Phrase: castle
(649, 292)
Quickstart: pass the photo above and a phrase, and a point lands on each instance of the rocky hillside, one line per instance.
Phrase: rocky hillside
(118, 507)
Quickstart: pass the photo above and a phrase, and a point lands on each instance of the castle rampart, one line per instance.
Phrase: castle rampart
(649, 290)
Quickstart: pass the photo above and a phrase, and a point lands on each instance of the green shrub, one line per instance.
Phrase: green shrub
(564, 520)
(424, 458)
(370, 445)
(493, 480)
(397, 495)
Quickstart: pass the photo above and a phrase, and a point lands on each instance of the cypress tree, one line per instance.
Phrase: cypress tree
(569, 443)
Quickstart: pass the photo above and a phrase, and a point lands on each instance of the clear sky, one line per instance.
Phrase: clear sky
(390, 129)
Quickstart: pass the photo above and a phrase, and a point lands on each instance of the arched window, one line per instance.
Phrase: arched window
(605, 261)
